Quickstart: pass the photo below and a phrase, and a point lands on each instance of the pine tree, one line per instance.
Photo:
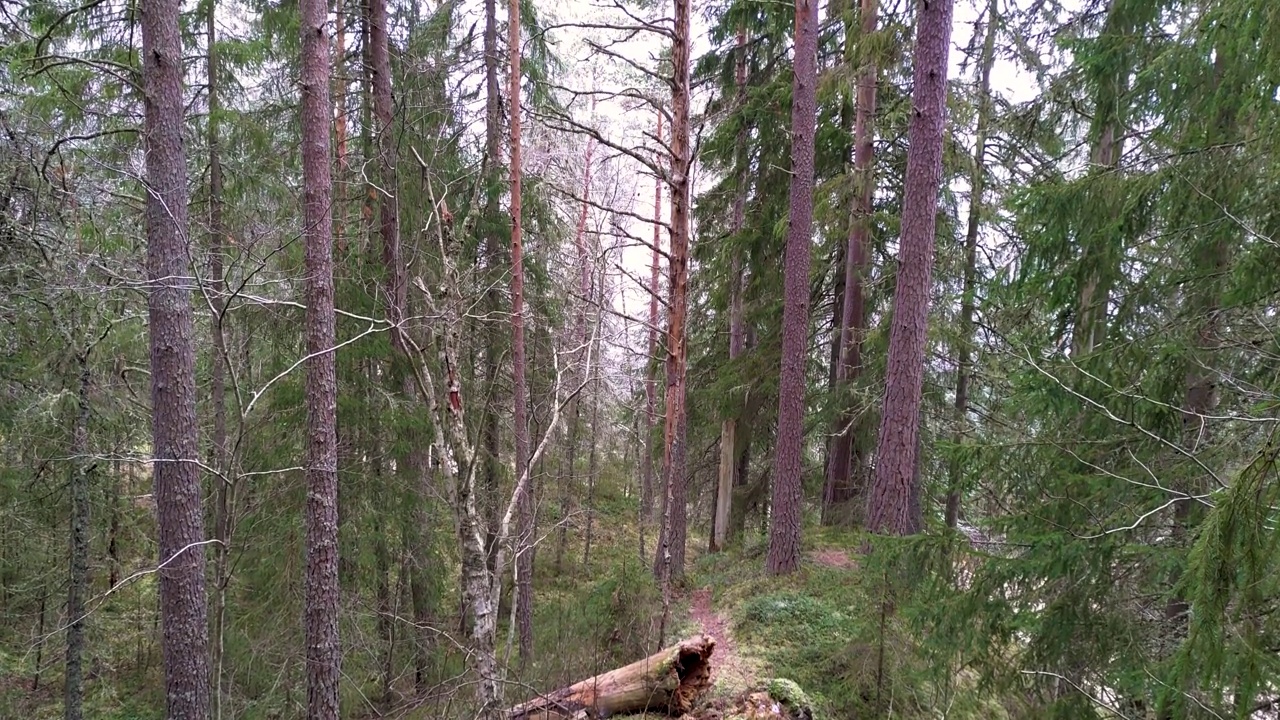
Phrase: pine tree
(183, 603)
(321, 593)
(894, 502)
(785, 525)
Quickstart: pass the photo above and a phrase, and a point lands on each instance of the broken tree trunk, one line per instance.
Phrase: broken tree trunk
(669, 681)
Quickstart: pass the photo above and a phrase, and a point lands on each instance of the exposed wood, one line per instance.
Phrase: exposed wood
(669, 681)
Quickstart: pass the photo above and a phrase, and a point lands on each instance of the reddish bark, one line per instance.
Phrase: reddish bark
(524, 539)
(841, 488)
(183, 603)
(380, 57)
(784, 530)
(894, 502)
(323, 652)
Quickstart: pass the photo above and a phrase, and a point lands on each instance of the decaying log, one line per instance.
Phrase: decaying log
(669, 681)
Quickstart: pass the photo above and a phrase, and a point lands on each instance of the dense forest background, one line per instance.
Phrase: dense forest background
(374, 358)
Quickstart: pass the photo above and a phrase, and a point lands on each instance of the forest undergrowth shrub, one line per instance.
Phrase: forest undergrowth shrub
(614, 624)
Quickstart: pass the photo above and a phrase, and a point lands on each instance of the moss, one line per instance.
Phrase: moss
(792, 696)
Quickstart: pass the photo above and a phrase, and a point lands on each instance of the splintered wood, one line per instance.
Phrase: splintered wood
(669, 681)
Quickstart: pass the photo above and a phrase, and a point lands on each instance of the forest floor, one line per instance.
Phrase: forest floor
(731, 671)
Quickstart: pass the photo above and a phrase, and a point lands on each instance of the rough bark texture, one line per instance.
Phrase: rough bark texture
(389, 213)
(977, 184)
(844, 473)
(494, 251)
(674, 527)
(524, 533)
(737, 337)
(669, 682)
(784, 530)
(894, 502)
(320, 593)
(78, 581)
(183, 604)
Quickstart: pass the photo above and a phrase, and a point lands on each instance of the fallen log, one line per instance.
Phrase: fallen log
(668, 681)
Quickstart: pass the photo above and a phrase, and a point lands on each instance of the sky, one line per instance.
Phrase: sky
(625, 126)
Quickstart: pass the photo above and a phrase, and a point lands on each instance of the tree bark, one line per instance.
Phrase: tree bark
(784, 530)
(894, 505)
(728, 429)
(78, 582)
(671, 546)
(493, 151)
(669, 681)
(842, 487)
(389, 214)
(524, 535)
(223, 489)
(175, 448)
(321, 594)
(977, 184)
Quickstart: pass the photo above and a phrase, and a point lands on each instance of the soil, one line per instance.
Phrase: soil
(834, 558)
(730, 670)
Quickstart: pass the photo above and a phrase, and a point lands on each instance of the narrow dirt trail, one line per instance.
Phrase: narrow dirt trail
(730, 670)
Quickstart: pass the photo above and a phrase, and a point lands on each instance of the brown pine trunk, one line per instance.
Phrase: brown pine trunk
(671, 537)
(728, 429)
(320, 596)
(844, 473)
(977, 184)
(176, 449)
(340, 118)
(784, 530)
(894, 502)
(380, 56)
(524, 534)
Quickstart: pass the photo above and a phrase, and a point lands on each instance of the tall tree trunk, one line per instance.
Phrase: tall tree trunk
(340, 119)
(784, 530)
(977, 184)
(728, 428)
(175, 444)
(1100, 260)
(647, 485)
(524, 539)
(493, 152)
(78, 582)
(383, 119)
(575, 409)
(844, 479)
(593, 373)
(671, 547)
(893, 505)
(321, 595)
(222, 482)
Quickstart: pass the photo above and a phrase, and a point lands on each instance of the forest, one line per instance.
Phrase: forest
(724, 360)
